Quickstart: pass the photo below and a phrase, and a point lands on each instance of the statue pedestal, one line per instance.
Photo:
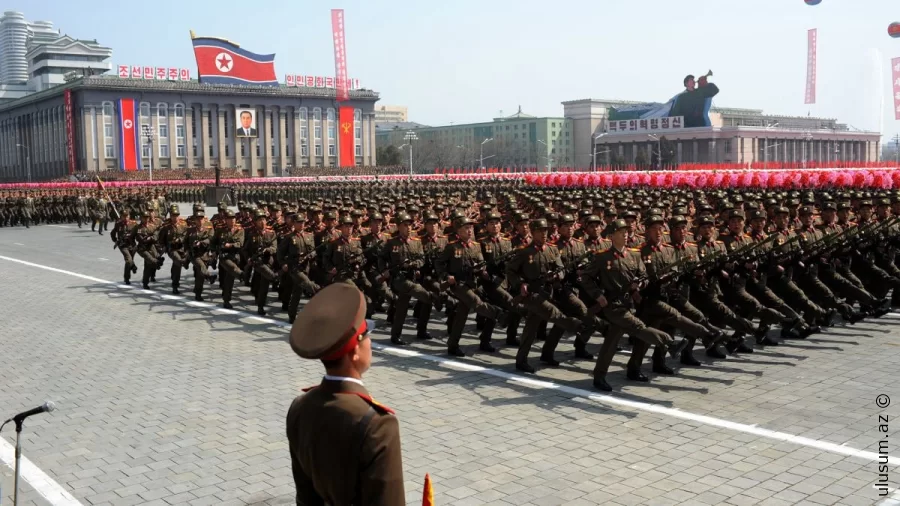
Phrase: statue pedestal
(216, 194)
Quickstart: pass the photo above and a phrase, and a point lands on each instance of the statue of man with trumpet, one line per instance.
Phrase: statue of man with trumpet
(694, 102)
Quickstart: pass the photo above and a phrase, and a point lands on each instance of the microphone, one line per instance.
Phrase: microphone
(48, 406)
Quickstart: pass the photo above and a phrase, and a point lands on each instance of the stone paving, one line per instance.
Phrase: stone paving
(161, 402)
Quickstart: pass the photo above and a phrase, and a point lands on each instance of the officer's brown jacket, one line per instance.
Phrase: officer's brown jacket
(337, 456)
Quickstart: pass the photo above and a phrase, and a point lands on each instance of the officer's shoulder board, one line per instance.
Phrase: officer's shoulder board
(413, 238)
(635, 249)
(719, 242)
(689, 243)
(377, 406)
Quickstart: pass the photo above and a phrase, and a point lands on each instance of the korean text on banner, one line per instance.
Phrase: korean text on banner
(70, 129)
(346, 137)
(340, 55)
(811, 67)
(895, 79)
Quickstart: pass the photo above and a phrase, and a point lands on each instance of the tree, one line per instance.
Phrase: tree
(388, 155)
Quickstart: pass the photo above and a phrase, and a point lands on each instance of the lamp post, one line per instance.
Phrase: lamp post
(807, 136)
(770, 147)
(481, 155)
(549, 161)
(594, 153)
(27, 160)
(409, 137)
(658, 148)
(147, 132)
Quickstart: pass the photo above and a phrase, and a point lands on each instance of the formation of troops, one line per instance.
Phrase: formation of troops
(725, 270)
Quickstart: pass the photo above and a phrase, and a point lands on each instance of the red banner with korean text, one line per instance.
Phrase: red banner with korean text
(70, 129)
(346, 137)
(811, 67)
(895, 78)
(340, 55)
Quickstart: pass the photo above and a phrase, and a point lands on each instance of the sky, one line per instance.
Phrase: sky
(464, 61)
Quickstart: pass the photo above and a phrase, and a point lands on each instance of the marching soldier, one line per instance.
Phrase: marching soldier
(228, 244)
(200, 235)
(124, 235)
(404, 257)
(295, 254)
(261, 245)
(172, 237)
(147, 236)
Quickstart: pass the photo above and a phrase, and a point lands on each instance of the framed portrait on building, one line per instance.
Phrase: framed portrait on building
(245, 119)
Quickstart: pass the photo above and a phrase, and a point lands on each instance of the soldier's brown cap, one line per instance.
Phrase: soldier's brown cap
(332, 323)
(782, 210)
(676, 221)
(145, 214)
(843, 206)
(592, 219)
(429, 216)
(737, 214)
(617, 225)
(197, 206)
(356, 212)
(199, 211)
(314, 209)
(538, 224)
(297, 217)
(330, 215)
(345, 220)
(566, 219)
(174, 210)
(376, 216)
(461, 222)
(403, 218)
(493, 216)
(260, 214)
(759, 214)
(229, 213)
(865, 203)
(705, 220)
(519, 218)
(829, 206)
(806, 211)
(554, 216)
(884, 202)
(654, 219)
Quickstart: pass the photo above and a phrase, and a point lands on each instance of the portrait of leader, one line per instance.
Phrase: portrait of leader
(246, 123)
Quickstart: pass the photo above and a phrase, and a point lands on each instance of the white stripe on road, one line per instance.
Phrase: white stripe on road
(609, 399)
(18, 244)
(103, 259)
(39, 481)
(61, 226)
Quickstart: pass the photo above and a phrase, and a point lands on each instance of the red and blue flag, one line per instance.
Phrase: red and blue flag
(223, 62)
(129, 139)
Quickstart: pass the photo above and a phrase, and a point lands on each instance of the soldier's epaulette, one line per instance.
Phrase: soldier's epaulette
(307, 389)
(719, 242)
(747, 235)
(689, 243)
(415, 238)
(635, 249)
(381, 408)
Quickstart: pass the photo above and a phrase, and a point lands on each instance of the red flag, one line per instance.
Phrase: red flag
(129, 140)
(220, 61)
(428, 492)
(346, 137)
(340, 54)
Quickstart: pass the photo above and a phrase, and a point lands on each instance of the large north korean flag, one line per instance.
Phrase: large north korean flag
(222, 62)
(129, 138)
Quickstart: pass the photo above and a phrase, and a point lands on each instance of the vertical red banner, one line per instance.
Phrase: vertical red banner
(346, 137)
(811, 67)
(895, 79)
(128, 137)
(340, 54)
(70, 130)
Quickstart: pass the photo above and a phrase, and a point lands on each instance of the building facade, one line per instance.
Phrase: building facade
(519, 140)
(736, 136)
(391, 114)
(51, 60)
(193, 126)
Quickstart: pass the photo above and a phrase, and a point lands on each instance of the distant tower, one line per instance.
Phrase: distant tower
(14, 32)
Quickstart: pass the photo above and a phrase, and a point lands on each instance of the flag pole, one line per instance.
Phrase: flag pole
(108, 198)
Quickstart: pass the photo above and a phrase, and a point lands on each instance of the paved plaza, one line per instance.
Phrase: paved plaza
(166, 401)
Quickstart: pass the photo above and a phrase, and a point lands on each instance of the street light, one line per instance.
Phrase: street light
(807, 136)
(549, 160)
(658, 147)
(481, 156)
(27, 160)
(147, 132)
(594, 150)
(409, 137)
(767, 148)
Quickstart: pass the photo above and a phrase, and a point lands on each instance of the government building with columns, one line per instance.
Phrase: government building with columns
(741, 136)
(193, 126)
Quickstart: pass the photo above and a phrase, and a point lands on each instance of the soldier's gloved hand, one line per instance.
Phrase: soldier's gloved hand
(284, 268)
(523, 290)
(602, 301)
(451, 280)
(485, 275)
(636, 297)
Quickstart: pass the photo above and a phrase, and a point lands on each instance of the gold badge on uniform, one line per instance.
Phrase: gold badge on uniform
(457, 253)
(396, 249)
(531, 259)
(609, 265)
(488, 248)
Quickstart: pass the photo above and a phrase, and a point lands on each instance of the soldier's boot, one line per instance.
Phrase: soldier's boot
(479, 321)
(687, 357)
(127, 275)
(93, 225)
(485, 337)
(659, 358)
(738, 344)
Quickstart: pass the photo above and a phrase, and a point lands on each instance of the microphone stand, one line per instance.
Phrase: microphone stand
(18, 457)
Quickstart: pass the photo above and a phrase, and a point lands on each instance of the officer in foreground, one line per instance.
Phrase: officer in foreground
(345, 447)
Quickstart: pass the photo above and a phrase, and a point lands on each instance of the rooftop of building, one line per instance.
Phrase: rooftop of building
(725, 111)
(387, 126)
(190, 87)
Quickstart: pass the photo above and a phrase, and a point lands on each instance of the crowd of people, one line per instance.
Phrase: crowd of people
(727, 270)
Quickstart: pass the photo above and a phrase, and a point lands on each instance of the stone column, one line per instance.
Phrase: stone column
(203, 138)
(221, 141)
(266, 149)
(370, 140)
(87, 139)
(283, 139)
(311, 142)
(173, 138)
(188, 136)
(713, 151)
(101, 141)
(154, 146)
(297, 150)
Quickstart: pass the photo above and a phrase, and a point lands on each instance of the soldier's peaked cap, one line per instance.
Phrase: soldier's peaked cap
(332, 323)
